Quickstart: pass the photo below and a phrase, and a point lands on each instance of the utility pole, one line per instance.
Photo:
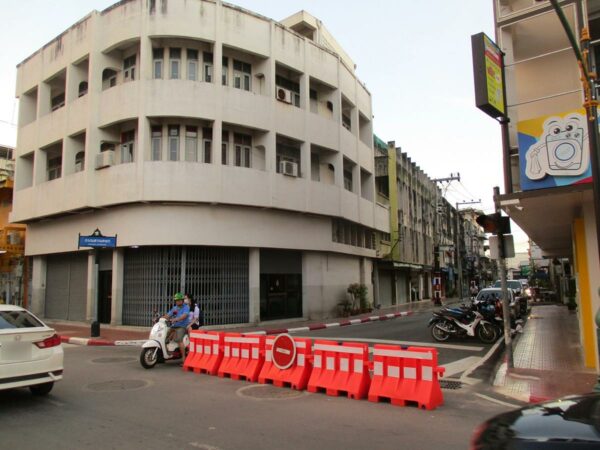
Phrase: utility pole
(459, 259)
(436, 235)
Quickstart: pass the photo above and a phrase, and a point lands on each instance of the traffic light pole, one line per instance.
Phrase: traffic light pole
(504, 287)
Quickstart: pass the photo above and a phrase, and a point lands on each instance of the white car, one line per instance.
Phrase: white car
(31, 354)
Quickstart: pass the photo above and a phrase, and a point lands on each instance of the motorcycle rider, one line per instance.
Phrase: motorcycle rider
(179, 316)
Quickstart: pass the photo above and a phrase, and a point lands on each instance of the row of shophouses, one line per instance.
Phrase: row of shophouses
(231, 156)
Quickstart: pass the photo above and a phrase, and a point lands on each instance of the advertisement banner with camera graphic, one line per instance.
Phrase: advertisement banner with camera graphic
(554, 150)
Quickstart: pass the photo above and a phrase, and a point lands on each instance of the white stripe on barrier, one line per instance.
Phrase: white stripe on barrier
(207, 349)
(301, 360)
(300, 344)
(284, 351)
(215, 349)
(242, 340)
(378, 369)
(268, 357)
(393, 372)
(317, 361)
(254, 353)
(192, 347)
(358, 366)
(296, 330)
(211, 337)
(427, 373)
(410, 373)
(329, 363)
(227, 350)
(235, 352)
(339, 349)
(402, 354)
(245, 353)
(344, 362)
(355, 321)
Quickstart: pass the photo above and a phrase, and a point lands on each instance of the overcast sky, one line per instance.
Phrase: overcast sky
(414, 56)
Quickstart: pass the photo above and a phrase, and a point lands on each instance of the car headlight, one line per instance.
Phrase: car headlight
(527, 291)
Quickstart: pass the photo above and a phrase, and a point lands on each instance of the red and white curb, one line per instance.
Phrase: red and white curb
(317, 326)
(321, 326)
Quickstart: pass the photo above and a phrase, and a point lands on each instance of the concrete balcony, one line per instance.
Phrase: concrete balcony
(119, 103)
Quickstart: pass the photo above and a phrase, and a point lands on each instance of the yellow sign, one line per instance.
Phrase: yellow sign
(493, 74)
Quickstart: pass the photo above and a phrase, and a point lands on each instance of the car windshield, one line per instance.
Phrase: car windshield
(18, 319)
(511, 284)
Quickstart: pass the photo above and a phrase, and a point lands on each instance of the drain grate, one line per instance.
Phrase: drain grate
(447, 384)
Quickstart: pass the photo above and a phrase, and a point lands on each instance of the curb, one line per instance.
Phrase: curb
(318, 326)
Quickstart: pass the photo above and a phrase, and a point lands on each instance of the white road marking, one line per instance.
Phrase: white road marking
(467, 348)
(460, 365)
(493, 400)
(482, 361)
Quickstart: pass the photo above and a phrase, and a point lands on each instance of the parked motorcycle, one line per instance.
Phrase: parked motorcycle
(156, 349)
(465, 321)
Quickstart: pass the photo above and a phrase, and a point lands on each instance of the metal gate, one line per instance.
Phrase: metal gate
(66, 286)
(217, 277)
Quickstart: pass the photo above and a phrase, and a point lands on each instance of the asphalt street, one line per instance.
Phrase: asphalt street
(108, 401)
(456, 354)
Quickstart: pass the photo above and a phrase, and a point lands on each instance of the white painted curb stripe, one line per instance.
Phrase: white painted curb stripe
(78, 341)
(296, 330)
(331, 325)
(131, 342)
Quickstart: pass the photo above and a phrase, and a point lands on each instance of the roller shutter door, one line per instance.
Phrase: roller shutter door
(66, 286)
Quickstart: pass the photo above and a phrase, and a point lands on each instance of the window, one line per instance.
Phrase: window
(79, 161)
(156, 143)
(109, 78)
(346, 122)
(348, 180)
(192, 65)
(191, 144)
(243, 149)
(241, 75)
(173, 142)
(83, 88)
(208, 66)
(157, 62)
(10, 320)
(127, 141)
(225, 70)
(207, 144)
(129, 68)
(289, 85)
(175, 62)
(58, 101)
(54, 167)
(224, 148)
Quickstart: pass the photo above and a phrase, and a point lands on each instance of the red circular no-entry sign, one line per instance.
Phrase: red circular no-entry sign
(284, 351)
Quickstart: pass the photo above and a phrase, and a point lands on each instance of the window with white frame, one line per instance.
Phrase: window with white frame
(54, 167)
(175, 62)
(192, 64)
(173, 142)
(79, 161)
(225, 71)
(156, 143)
(127, 146)
(243, 149)
(242, 73)
(225, 147)
(129, 64)
(157, 62)
(191, 143)
(208, 66)
(207, 145)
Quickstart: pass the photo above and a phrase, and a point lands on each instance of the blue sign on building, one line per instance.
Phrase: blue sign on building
(97, 240)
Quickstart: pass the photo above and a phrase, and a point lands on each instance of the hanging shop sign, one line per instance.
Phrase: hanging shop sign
(488, 75)
(97, 240)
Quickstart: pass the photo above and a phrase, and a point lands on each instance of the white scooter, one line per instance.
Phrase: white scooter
(156, 350)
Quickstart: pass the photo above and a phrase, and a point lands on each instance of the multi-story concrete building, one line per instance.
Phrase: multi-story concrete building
(475, 264)
(230, 154)
(548, 190)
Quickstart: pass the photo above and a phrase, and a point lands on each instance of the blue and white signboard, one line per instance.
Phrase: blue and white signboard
(97, 240)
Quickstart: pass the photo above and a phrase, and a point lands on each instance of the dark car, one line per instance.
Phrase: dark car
(566, 423)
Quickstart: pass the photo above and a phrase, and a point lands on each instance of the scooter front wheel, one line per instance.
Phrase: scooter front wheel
(439, 333)
(149, 357)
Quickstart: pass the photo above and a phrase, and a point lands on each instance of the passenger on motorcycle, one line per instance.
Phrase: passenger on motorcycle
(179, 316)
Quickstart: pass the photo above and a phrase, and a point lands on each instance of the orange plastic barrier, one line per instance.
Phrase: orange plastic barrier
(340, 369)
(206, 352)
(243, 356)
(297, 375)
(406, 375)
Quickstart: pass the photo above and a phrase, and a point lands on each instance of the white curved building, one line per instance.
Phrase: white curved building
(232, 155)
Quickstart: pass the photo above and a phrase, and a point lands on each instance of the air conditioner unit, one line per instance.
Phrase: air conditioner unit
(105, 159)
(288, 168)
(284, 95)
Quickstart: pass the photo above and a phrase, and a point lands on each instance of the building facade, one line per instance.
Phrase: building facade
(231, 155)
(548, 190)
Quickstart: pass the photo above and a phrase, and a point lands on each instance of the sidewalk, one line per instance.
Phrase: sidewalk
(548, 359)
(79, 332)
